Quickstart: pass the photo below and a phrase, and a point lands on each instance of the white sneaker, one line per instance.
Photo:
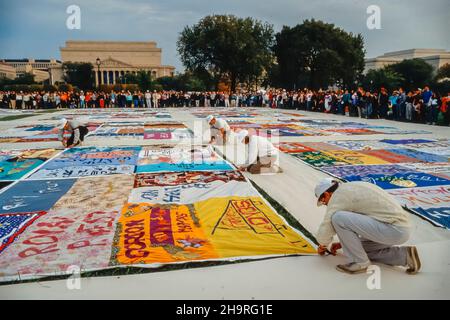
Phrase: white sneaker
(353, 267)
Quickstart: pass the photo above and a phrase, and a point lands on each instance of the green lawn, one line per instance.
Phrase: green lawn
(16, 117)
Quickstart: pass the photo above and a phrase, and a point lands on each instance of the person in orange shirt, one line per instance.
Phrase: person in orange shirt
(101, 100)
(88, 100)
(445, 108)
(64, 98)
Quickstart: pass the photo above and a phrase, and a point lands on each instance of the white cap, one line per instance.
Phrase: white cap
(62, 122)
(323, 186)
(209, 118)
(241, 135)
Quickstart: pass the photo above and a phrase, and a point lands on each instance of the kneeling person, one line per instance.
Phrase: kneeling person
(262, 156)
(369, 222)
(220, 130)
(78, 132)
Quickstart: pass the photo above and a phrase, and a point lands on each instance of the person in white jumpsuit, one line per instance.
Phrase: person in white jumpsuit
(262, 156)
(369, 223)
(220, 130)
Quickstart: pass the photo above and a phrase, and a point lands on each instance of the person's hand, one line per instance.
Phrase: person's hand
(322, 250)
(335, 247)
(242, 169)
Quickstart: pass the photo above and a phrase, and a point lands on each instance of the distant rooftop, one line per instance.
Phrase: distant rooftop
(30, 60)
(414, 52)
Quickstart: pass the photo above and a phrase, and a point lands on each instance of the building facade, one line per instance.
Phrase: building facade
(435, 57)
(7, 71)
(40, 68)
(113, 59)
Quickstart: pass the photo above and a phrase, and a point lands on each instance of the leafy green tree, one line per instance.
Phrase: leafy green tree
(415, 72)
(182, 82)
(129, 78)
(23, 79)
(79, 74)
(384, 77)
(50, 88)
(443, 72)
(168, 83)
(227, 47)
(65, 87)
(317, 54)
(144, 80)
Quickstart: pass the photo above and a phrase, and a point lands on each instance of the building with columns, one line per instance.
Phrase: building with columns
(113, 59)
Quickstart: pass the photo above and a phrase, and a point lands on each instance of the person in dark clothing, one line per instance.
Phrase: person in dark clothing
(383, 102)
(375, 106)
(78, 132)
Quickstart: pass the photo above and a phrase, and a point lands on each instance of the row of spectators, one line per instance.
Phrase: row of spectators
(421, 105)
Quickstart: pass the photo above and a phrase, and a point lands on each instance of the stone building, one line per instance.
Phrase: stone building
(113, 59)
(40, 68)
(7, 71)
(435, 57)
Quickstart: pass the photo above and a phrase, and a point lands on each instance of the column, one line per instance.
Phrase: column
(110, 77)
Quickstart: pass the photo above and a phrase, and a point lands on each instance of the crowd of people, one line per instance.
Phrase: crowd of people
(421, 105)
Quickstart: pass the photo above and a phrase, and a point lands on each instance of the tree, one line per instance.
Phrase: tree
(66, 87)
(182, 82)
(384, 77)
(129, 78)
(441, 81)
(443, 72)
(317, 54)
(227, 47)
(415, 72)
(79, 74)
(144, 80)
(25, 78)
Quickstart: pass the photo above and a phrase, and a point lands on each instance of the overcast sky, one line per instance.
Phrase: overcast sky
(37, 28)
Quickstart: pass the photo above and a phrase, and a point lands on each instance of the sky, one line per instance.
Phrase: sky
(37, 28)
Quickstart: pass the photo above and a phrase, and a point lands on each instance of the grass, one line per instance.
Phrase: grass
(27, 115)
(16, 117)
(50, 110)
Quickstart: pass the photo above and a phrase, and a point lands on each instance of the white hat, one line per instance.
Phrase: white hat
(209, 118)
(241, 135)
(62, 122)
(323, 186)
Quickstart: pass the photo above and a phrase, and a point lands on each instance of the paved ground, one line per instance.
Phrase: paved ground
(302, 277)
